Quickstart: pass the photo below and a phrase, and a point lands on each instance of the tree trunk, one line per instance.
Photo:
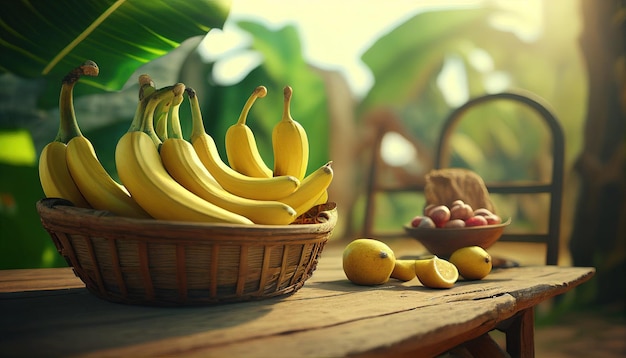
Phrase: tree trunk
(599, 227)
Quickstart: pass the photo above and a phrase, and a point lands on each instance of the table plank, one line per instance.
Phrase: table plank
(328, 315)
(38, 279)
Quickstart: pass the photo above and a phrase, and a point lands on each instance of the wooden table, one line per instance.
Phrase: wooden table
(48, 312)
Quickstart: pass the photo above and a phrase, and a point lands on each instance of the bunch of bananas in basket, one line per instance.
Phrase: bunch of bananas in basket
(167, 177)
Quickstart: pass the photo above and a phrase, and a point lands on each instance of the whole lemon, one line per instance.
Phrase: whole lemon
(368, 262)
(473, 262)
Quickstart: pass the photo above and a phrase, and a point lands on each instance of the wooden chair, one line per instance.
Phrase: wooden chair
(442, 156)
(555, 185)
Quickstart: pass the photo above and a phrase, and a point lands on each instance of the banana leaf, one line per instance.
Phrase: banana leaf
(48, 38)
(406, 59)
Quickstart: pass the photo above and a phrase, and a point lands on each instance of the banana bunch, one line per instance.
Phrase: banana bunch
(167, 177)
(69, 167)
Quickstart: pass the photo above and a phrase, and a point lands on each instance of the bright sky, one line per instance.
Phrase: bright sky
(334, 33)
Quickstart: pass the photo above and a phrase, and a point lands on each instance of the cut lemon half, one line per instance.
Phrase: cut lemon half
(436, 273)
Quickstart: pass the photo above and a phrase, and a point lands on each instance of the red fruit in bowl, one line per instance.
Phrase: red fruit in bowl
(440, 215)
(426, 222)
(482, 212)
(461, 211)
(415, 222)
(493, 219)
(455, 223)
(476, 221)
(457, 202)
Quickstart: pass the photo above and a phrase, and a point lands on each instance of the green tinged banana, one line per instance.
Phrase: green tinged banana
(312, 190)
(93, 181)
(140, 167)
(228, 178)
(290, 143)
(241, 148)
(161, 120)
(182, 163)
(54, 175)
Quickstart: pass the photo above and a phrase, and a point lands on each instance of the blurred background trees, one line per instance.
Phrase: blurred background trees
(571, 53)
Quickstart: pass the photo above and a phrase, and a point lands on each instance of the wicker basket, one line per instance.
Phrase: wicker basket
(165, 263)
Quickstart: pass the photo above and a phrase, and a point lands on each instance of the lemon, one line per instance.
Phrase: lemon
(473, 262)
(368, 262)
(435, 272)
(404, 270)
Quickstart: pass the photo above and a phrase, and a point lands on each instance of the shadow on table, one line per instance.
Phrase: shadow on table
(80, 321)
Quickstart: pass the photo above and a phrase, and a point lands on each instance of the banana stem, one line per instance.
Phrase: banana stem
(146, 86)
(197, 124)
(68, 126)
(258, 92)
(287, 92)
(173, 123)
(146, 89)
(161, 119)
(163, 94)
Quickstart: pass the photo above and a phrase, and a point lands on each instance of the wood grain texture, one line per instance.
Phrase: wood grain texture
(47, 312)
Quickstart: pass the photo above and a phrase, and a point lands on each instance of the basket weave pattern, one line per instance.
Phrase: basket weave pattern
(153, 262)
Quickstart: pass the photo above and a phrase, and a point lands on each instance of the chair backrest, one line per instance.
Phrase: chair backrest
(555, 185)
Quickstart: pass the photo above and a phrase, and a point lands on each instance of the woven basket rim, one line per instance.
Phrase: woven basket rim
(61, 214)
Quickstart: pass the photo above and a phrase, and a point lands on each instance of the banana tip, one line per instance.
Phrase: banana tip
(178, 89)
(260, 91)
(145, 79)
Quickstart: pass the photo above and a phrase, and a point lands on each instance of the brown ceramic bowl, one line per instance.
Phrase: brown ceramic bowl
(444, 241)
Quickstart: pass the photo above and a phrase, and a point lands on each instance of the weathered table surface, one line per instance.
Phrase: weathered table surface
(48, 312)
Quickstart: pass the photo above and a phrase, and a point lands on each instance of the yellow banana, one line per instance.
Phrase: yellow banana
(230, 179)
(56, 180)
(142, 172)
(241, 148)
(323, 199)
(311, 190)
(290, 143)
(183, 164)
(93, 181)
(54, 175)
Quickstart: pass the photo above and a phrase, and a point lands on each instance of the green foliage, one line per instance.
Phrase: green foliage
(23, 241)
(120, 35)
(405, 60)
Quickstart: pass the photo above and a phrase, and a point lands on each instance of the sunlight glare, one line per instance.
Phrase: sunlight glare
(233, 69)
(525, 21)
(219, 43)
(334, 34)
(452, 81)
(497, 81)
(481, 60)
(396, 151)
